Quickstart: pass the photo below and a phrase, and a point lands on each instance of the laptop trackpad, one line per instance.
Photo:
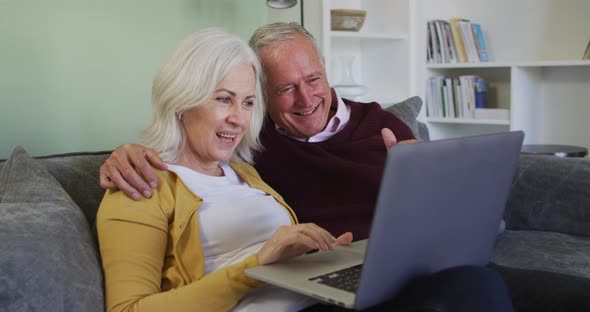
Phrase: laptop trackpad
(311, 265)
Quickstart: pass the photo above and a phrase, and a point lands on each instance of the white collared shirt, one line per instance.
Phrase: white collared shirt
(335, 124)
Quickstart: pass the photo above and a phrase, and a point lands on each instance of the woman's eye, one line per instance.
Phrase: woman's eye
(223, 99)
(249, 103)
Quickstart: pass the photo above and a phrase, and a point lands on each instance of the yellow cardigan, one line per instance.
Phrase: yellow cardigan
(152, 254)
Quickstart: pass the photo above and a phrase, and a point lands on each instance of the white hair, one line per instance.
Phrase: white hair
(188, 78)
(276, 33)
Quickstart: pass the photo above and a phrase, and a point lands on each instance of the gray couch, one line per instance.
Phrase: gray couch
(49, 259)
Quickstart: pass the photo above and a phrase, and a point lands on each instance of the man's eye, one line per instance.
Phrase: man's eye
(286, 90)
(314, 80)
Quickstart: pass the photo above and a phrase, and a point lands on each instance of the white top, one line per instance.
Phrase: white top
(335, 124)
(235, 221)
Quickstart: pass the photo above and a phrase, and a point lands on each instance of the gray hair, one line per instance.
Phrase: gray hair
(188, 78)
(270, 34)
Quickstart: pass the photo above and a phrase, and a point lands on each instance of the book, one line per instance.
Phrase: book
(459, 46)
(429, 50)
(450, 98)
(434, 97)
(438, 104)
(429, 98)
(587, 53)
(468, 41)
(441, 87)
(450, 42)
(481, 89)
(468, 95)
(480, 42)
(436, 56)
(457, 95)
(442, 41)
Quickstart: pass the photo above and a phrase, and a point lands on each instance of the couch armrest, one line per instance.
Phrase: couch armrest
(550, 194)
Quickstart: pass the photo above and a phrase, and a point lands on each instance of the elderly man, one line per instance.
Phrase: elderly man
(325, 155)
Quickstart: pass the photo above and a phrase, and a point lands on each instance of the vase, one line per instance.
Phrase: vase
(347, 86)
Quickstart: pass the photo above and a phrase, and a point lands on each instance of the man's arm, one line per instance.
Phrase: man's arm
(119, 172)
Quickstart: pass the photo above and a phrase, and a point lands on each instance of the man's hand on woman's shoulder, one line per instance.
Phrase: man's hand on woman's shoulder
(119, 172)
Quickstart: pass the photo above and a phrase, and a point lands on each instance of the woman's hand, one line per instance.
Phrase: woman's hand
(295, 240)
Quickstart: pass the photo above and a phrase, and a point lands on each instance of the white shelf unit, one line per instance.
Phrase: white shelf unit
(536, 71)
(552, 103)
(469, 121)
(381, 48)
(499, 93)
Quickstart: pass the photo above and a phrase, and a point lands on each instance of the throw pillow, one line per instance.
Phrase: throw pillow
(77, 173)
(408, 111)
(3, 171)
(48, 259)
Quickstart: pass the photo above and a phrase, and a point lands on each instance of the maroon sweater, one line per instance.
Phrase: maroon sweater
(332, 183)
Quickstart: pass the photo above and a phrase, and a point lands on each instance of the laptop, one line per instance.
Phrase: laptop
(439, 205)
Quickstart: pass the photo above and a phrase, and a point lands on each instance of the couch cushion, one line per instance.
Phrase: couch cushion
(48, 259)
(550, 194)
(408, 111)
(543, 291)
(545, 251)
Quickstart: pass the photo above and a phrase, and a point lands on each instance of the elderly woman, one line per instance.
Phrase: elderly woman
(211, 216)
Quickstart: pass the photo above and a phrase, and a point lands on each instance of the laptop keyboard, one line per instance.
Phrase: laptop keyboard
(346, 279)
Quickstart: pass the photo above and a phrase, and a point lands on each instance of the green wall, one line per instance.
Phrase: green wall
(75, 75)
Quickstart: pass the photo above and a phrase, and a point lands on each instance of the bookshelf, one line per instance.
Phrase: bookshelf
(535, 70)
(381, 48)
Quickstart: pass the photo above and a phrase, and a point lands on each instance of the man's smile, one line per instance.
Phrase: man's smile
(306, 113)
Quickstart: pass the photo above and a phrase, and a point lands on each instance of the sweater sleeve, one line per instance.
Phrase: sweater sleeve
(133, 239)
